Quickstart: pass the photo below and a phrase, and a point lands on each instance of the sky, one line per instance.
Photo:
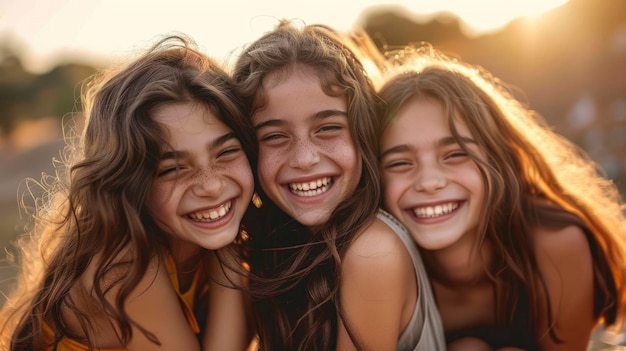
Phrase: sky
(102, 31)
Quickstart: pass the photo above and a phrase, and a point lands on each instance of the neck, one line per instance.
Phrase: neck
(186, 255)
(458, 265)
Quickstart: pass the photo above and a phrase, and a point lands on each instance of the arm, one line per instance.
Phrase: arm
(226, 327)
(378, 290)
(155, 306)
(564, 259)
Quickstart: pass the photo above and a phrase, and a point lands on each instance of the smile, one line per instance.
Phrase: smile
(211, 215)
(311, 188)
(435, 211)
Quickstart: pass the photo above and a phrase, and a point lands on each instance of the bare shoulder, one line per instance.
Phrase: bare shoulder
(564, 254)
(378, 257)
(156, 278)
(377, 239)
(378, 252)
(120, 266)
(378, 288)
(566, 264)
(565, 243)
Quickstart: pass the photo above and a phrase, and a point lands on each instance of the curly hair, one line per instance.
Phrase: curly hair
(295, 272)
(97, 204)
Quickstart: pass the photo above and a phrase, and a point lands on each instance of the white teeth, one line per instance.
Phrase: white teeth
(211, 215)
(312, 188)
(435, 211)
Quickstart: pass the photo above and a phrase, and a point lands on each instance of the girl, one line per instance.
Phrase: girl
(328, 272)
(129, 255)
(523, 241)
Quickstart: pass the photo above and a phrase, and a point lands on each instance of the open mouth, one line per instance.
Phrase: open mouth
(211, 215)
(435, 211)
(311, 188)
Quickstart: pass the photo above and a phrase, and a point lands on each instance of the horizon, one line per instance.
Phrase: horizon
(46, 33)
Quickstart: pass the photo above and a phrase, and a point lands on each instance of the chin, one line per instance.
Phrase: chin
(314, 221)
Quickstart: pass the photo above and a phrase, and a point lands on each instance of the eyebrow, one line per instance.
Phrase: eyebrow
(175, 154)
(447, 141)
(316, 116)
(394, 150)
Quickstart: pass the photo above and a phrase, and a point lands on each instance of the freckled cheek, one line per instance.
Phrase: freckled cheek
(160, 198)
(205, 175)
(344, 152)
(243, 175)
(269, 163)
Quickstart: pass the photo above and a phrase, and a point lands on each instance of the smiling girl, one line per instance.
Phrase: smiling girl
(131, 244)
(329, 271)
(523, 241)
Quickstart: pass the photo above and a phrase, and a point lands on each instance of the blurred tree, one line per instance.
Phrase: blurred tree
(24, 95)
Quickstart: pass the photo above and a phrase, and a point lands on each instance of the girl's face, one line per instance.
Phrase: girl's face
(308, 161)
(204, 182)
(431, 185)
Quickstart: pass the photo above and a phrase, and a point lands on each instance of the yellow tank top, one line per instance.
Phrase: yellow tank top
(187, 299)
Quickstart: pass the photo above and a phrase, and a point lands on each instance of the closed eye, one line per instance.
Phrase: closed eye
(169, 170)
(456, 155)
(272, 138)
(396, 164)
(330, 128)
(230, 151)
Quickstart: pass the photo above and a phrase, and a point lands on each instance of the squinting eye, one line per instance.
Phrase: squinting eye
(457, 154)
(273, 138)
(330, 128)
(229, 151)
(168, 170)
(396, 164)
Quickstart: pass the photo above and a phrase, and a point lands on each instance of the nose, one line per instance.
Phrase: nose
(304, 155)
(208, 183)
(430, 180)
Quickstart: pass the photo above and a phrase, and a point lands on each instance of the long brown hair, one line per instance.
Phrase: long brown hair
(295, 273)
(525, 161)
(97, 207)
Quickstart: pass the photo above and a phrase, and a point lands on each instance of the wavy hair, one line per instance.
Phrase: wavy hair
(98, 205)
(295, 272)
(525, 161)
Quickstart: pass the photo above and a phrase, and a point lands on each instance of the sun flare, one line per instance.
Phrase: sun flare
(482, 16)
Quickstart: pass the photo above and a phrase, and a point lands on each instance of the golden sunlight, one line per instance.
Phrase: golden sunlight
(102, 30)
(481, 16)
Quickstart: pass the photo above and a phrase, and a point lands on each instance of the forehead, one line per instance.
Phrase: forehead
(296, 71)
(186, 119)
(422, 119)
(419, 112)
(294, 94)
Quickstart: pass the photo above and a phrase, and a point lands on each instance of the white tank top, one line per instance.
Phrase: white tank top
(424, 331)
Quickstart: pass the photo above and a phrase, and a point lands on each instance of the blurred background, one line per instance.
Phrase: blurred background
(566, 59)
